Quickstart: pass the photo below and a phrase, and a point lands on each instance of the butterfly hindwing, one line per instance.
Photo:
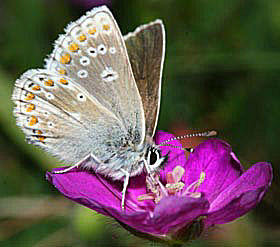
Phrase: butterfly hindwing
(59, 115)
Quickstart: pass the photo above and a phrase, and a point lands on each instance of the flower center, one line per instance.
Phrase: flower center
(174, 186)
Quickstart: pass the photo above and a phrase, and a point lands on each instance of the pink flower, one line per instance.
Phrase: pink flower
(209, 188)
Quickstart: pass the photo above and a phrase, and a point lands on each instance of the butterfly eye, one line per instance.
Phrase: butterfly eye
(154, 156)
(155, 159)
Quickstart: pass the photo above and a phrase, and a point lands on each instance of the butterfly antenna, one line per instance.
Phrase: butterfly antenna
(201, 134)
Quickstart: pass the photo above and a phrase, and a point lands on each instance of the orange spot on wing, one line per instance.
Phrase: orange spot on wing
(73, 47)
(82, 37)
(62, 71)
(32, 121)
(30, 96)
(92, 31)
(49, 83)
(41, 138)
(65, 59)
(39, 132)
(63, 81)
(36, 88)
(30, 107)
(106, 27)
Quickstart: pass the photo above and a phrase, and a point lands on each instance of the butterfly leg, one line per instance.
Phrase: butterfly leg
(74, 166)
(125, 184)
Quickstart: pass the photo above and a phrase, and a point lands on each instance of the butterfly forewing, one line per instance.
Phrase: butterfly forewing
(93, 54)
(146, 50)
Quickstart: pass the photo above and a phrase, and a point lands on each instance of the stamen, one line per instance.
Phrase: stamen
(194, 186)
(195, 195)
(170, 178)
(163, 189)
(156, 190)
(175, 187)
(173, 180)
(178, 172)
(149, 196)
(201, 179)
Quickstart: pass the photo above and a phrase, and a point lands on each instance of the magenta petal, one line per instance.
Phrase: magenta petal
(236, 208)
(242, 195)
(89, 189)
(93, 191)
(221, 167)
(96, 192)
(137, 187)
(171, 212)
(176, 156)
(174, 211)
(227, 192)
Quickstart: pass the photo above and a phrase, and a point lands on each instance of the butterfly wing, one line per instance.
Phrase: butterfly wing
(93, 54)
(60, 116)
(86, 100)
(146, 50)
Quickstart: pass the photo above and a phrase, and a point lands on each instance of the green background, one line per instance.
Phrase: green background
(221, 72)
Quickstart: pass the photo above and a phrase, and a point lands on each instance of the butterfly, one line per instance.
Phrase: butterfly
(95, 105)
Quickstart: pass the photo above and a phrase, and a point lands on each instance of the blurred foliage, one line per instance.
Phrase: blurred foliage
(221, 72)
